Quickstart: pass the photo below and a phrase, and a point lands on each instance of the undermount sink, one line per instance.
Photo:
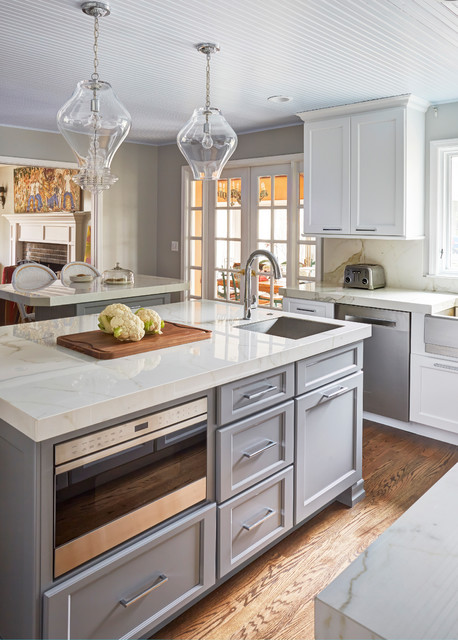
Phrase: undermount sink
(286, 327)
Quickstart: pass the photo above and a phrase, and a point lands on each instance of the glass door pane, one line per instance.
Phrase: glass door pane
(270, 228)
(227, 252)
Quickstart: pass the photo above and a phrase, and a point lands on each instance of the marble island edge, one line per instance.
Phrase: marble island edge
(48, 391)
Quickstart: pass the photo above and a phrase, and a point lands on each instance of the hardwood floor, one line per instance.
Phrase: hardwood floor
(273, 597)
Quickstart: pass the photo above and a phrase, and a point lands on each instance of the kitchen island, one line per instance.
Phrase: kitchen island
(283, 433)
(60, 300)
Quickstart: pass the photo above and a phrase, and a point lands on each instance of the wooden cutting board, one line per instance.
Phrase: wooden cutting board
(105, 347)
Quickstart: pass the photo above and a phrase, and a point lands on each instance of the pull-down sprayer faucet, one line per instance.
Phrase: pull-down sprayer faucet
(248, 298)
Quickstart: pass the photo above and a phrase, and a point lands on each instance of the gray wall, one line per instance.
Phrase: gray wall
(130, 205)
(251, 145)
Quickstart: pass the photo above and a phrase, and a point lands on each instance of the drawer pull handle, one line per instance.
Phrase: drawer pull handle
(252, 454)
(445, 366)
(333, 394)
(261, 392)
(366, 228)
(332, 228)
(308, 310)
(160, 580)
(269, 514)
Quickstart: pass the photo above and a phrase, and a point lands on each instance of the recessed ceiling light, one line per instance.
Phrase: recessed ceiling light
(279, 99)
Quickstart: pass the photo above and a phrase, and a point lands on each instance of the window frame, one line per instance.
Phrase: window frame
(440, 245)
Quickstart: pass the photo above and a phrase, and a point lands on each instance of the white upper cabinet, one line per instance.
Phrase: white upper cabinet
(364, 169)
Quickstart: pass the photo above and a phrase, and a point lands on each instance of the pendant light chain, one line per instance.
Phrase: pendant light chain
(95, 75)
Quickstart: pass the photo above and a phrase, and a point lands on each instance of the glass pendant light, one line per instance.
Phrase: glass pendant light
(93, 121)
(207, 141)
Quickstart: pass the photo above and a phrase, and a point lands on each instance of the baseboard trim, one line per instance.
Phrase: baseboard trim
(414, 427)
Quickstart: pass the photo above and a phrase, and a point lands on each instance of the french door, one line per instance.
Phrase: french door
(248, 208)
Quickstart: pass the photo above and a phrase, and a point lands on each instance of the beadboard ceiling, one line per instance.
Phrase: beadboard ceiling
(319, 52)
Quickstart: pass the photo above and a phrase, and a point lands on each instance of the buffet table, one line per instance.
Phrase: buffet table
(78, 299)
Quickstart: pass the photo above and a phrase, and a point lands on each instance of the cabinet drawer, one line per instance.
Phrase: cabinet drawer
(131, 592)
(327, 367)
(309, 307)
(328, 444)
(244, 397)
(433, 388)
(254, 519)
(253, 449)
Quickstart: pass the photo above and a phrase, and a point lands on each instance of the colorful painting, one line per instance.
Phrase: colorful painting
(37, 189)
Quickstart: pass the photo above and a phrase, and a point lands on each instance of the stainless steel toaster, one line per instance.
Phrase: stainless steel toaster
(364, 276)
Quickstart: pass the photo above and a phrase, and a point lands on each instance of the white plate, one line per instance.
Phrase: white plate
(32, 276)
(72, 269)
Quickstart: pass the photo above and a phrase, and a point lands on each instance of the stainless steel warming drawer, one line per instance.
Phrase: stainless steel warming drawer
(386, 359)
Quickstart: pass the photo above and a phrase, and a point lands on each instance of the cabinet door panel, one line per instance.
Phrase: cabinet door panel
(253, 449)
(327, 176)
(134, 590)
(377, 173)
(434, 383)
(253, 519)
(328, 444)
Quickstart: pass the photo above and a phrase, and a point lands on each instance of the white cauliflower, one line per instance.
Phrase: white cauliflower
(109, 312)
(127, 326)
(151, 320)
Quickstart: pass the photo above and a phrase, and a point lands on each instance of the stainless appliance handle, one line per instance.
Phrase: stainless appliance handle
(333, 394)
(249, 527)
(248, 454)
(379, 321)
(160, 580)
(261, 392)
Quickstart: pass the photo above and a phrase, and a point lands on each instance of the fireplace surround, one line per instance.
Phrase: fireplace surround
(49, 238)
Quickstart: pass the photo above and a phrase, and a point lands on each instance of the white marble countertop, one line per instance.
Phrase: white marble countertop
(384, 298)
(405, 585)
(48, 390)
(74, 293)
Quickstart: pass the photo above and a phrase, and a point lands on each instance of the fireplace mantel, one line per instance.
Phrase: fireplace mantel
(62, 227)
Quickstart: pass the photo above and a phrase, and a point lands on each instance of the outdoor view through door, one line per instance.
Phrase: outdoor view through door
(257, 207)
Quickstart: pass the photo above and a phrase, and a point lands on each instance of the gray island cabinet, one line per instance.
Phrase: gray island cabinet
(282, 442)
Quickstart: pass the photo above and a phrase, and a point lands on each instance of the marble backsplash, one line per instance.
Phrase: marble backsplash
(404, 261)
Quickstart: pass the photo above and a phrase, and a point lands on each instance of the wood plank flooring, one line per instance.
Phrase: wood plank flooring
(273, 597)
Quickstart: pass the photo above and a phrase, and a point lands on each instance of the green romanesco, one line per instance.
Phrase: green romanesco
(109, 312)
(151, 320)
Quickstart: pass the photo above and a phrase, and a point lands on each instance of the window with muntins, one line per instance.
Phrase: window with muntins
(444, 208)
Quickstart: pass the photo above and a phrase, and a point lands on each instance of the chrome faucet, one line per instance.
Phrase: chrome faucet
(248, 298)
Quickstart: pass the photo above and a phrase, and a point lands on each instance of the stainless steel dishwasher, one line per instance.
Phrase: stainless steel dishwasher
(386, 363)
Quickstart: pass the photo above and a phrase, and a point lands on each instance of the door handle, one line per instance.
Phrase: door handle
(160, 580)
(333, 394)
(261, 392)
(248, 454)
(366, 228)
(250, 527)
(332, 228)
